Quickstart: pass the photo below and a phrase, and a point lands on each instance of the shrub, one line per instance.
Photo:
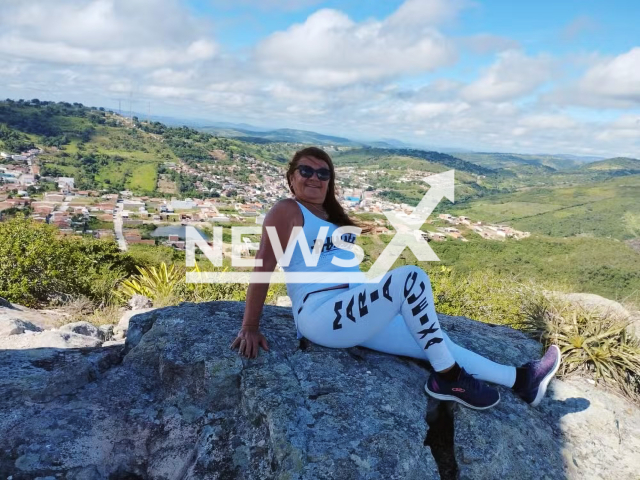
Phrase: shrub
(148, 255)
(207, 292)
(484, 296)
(37, 266)
(592, 341)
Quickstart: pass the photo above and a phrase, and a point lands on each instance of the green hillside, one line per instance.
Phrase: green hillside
(470, 179)
(619, 165)
(105, 151)
(596, 265)
(610, 209)
(510, 160)
(374, 155)
(281, 135)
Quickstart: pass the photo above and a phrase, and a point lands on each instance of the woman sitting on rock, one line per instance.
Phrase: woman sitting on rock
(395, 315)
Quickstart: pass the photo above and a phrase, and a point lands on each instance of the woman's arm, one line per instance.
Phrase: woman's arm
(283, 216)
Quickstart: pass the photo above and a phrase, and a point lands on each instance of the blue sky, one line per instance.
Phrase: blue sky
(547, 76)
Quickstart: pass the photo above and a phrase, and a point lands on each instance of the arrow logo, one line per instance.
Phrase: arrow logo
(408, 227)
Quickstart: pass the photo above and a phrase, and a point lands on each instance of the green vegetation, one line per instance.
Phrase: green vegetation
(514, 160)
(602, 266)
(485, 296)
(593, 342)
(104, 151)
(39, 267)
(608, 208)
(369, 155)
(619, 166)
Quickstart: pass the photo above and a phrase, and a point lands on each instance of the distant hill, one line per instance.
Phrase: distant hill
(249, 133)
(620, 165)
(287, 135)
(371, 155)
(496, 160)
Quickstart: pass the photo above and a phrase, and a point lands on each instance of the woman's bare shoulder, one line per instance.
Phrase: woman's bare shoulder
(285, 209)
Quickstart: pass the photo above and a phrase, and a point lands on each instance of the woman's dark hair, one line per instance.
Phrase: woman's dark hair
(336, 213)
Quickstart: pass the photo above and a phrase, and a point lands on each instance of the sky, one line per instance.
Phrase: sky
(483, 75)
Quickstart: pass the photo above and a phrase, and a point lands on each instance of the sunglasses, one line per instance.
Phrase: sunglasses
(306, 171)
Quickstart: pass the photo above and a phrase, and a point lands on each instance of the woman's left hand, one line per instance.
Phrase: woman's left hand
(248, 343)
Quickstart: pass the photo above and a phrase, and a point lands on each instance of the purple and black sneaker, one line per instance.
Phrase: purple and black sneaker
(466, 390)
(539, 374)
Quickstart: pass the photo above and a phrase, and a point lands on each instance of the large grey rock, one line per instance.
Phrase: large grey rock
(42, 319)
(176, 402)
(15, 326)
(120, 330)
(139, 302)
(5, 303)
(47, 339)
(183, 405)
(82, 328)
(577, 432)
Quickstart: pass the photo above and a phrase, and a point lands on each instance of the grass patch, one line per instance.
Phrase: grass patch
(143, 177)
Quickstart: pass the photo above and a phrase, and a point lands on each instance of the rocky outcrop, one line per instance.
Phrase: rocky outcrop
(82, 328)
(15, 326)
(120, 330)
(36, 320)
(176, 402)
(139, 302)
(47, 339)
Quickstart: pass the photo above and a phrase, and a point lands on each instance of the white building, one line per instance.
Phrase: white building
(66, 183)
(27, 179)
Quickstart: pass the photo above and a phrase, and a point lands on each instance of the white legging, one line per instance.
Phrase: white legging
(396, 315)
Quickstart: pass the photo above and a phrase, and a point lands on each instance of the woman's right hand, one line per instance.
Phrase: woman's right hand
(248, 342)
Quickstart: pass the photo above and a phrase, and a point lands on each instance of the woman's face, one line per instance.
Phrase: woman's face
(310, 189)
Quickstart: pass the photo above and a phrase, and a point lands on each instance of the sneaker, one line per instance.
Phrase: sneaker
(540, 373)
(465, 390)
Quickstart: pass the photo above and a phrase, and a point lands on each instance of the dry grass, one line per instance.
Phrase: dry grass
(83, 309)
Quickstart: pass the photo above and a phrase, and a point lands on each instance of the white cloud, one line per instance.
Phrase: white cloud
(126, 33)
(617, 78)
(329, 49)
(624, 128)
(513, 75)
(429, 110)
(547, 121)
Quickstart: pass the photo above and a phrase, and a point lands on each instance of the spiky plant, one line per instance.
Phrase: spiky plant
(160, 284)
(592, 341)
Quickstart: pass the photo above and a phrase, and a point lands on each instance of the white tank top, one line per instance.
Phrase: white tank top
(311, 227)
